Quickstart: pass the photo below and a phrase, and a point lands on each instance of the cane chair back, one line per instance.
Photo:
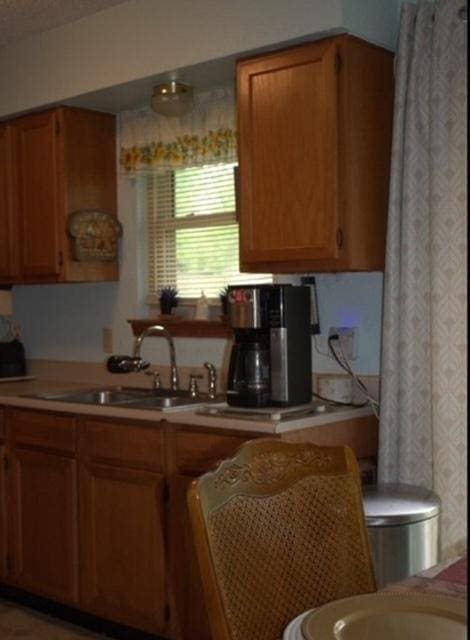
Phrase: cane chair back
(278, 529)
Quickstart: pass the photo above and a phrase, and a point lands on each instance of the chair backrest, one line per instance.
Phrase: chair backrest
(278, 529)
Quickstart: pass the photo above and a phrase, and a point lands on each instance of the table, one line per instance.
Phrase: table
(447, 579)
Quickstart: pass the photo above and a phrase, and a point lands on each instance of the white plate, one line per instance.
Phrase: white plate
(388, 616)
(293, 630)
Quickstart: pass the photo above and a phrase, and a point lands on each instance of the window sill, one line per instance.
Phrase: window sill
(182, 328)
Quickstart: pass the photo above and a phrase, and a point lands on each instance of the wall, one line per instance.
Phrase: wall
(133, 40)
(350, 300)
(57, 327)
(374, 20)
(141, 38)
(57, 324)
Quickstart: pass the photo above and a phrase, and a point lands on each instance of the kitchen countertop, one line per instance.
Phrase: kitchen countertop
(11, 394)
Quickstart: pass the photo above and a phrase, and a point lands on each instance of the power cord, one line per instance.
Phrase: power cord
(347, 367)
(330, 400)
(338, 402)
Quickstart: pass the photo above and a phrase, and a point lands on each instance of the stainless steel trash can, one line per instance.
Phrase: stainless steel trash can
(403, 525)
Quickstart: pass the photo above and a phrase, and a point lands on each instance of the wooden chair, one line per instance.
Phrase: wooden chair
(278, 529)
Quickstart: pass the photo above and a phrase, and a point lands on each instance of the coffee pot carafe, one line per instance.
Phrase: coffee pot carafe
(249, 372)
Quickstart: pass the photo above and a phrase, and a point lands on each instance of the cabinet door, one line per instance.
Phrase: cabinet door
(184, 569)
(3, 521)
(7, 221)
(122, 546)
(288, 145)
(43, 507)
(38, 196)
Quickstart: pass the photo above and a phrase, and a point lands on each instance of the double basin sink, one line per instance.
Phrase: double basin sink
(133, 398)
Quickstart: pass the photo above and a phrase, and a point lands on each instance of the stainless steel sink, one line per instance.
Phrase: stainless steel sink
(106, 396)
(169, 401)
(160, 399)
(90, 396)
(166, 398)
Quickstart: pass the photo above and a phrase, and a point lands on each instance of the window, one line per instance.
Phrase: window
(193, 231)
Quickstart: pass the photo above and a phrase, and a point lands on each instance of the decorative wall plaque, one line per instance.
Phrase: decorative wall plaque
(96, 235)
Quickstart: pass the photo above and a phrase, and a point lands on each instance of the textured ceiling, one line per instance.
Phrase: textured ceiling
(22, 18)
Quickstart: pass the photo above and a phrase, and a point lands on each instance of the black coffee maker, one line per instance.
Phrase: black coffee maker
(12, 359)
(271, 358)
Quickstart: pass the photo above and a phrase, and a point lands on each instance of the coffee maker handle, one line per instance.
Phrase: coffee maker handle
(235, 367)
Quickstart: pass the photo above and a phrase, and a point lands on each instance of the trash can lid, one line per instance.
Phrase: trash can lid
(392, 504)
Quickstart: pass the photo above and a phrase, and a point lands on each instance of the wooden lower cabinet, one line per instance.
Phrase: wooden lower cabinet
(93, 511)
(43, 519)
(195, 452)
(122, 548)
(188, 597)
(3, 521)
(122, 522)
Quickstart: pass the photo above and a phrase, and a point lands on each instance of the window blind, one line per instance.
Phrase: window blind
(193, 231)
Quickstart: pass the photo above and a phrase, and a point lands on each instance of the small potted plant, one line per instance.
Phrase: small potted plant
(168, 299)
(223, 296)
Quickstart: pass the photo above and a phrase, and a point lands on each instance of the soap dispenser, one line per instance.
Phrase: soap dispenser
(202, 308)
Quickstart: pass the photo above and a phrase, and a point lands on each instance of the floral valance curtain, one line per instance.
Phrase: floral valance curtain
(206, 135)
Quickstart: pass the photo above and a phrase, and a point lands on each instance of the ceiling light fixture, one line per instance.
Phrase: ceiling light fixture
(172, 98)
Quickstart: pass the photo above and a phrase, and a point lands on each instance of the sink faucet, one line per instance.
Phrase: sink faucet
(212, 379)
(157, 329)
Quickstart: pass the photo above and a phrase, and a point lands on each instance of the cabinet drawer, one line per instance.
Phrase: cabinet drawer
(111, 442)
(43, 430)
(197, 452)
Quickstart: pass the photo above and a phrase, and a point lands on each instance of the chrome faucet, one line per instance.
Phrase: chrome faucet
(212, 379)
(157, 329)
(156, 383)
(193, 388)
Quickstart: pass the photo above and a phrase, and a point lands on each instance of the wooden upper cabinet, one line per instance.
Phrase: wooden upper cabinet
(8, 259)
(315, 127)
(64, 161)
(38, 196)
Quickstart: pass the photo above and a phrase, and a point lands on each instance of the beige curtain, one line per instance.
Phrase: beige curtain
(423, 389)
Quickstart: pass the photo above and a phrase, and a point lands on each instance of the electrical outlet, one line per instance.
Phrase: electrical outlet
(107, 340)
(347, 340)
